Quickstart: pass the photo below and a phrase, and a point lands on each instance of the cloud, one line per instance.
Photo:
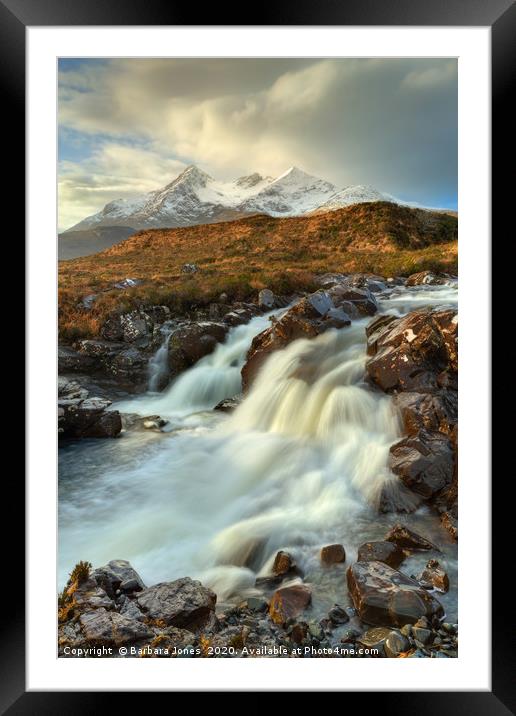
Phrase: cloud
(387, 122)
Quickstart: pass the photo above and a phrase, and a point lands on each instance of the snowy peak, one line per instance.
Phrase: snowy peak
(194, 197)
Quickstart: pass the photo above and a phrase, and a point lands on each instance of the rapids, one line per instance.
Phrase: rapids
(299, 464)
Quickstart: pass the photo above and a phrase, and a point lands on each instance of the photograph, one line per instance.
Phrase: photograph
(257, 357)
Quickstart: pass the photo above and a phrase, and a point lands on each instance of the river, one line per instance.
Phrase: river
(299, 464)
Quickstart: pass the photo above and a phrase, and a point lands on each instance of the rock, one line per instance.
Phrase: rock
(192, 342)
(423, 462)
(298, 632)
(434, 577)
(409, 353)
(154, 422)
(228, 404)
(88, 301)
(361, 299)
(136, 325)
(103, 628)
(426, 278)
(189, 268)
(183, 603)
(337, 615)
(116, 573)
(128, 283)
(332, 554)
(308, 318)
(449, 523)
(432, 412)
(288, 602)
(70, 389)
(407, 539)
(112, 329)
(385, 597)
(386, 552)
(283, 564)
(266, 299)
(257, 604)
(70, 361)
(422, 635)
(396, 644)
(87, 418)
(374, 638)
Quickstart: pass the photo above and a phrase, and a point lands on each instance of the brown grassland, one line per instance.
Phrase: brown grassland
(243, 256)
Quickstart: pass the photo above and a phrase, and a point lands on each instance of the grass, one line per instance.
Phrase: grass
(241, 257)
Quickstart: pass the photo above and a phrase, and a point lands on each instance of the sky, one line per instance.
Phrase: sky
(128, 126)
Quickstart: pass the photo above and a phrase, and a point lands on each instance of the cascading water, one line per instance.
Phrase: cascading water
(158, 364)
(299, 464)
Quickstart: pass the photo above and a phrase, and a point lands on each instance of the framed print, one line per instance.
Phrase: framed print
(249, 249)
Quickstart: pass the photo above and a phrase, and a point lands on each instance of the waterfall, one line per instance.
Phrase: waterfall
(299, 464)
(158, 364)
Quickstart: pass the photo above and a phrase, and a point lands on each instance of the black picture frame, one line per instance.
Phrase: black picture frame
(500, 15)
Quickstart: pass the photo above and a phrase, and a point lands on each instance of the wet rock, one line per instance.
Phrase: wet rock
(87, 418)
(410, 352)
(374, 639)
(449, 522)
(333, 554)
(423, 462)
(396, 644)
(426, 278)
(362, 299)
(385, 597)
(283, 564)
(154, 422)
(103, 628)
(257, 604)
(298, 632)
(337, 615)
(431, 412)
(308, 318)
(422, 635)
(241, 314)
(228, 404)
(183, 603)
(434, 577)
(266, 299)
(407, 539)
(116, 573)
(288, 602)
(381, 551)
(192, 342)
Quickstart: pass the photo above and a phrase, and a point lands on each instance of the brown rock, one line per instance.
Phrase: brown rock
(333, 554)
(283, 564)
(407, 539)
(449, 522)
(432, 412)
(288, 602)
(426, 277)
(423, 462)
(309, 317)
(434, 577)
(386, 552)
(192, 342)
(103, 628)
(385, 597)
(410, 353)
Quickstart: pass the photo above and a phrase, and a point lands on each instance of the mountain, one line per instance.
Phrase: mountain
(195, 197)
(90, 241)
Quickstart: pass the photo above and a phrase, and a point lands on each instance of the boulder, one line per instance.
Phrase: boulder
(427, 278)
(423, 462)
(288, 602)
(87, 418)
(385, 597)
(362, 299)
(405, 538)
(309, 317)
(266, 300)
(118, 574)
(183, 603)
(283, 564)
(228, 404)
(333, 554)
(189, 268)
(71, 361)
(103, 628)
(192, 342)
(396, 644)
(432, 412)
(434, 577)
(410, 353)
(381, 551)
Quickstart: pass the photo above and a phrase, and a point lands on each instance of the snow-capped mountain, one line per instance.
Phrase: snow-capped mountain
(194, 197)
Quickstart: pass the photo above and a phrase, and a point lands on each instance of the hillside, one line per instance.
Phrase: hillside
(72, 244)
(242, 256)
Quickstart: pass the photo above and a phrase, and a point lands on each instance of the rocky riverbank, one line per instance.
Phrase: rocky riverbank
(109, 611)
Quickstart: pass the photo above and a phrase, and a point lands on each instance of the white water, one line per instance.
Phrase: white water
(158, 364)
(300, 463)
